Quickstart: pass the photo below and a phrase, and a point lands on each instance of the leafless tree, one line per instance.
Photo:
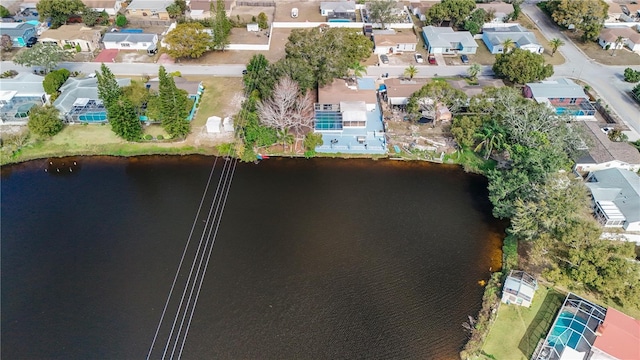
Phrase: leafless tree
(5, 43)
(287, 109)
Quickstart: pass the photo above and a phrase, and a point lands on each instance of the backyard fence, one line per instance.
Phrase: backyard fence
(256, 3)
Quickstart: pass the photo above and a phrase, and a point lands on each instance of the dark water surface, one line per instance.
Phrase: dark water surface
(314, 259)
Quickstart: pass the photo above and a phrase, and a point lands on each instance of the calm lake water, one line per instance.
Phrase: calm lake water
(313, 259)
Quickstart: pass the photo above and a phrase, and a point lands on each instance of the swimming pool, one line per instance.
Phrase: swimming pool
(567, 330)
(93, 117)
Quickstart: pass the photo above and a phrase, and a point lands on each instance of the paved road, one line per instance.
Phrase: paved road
(607, 81)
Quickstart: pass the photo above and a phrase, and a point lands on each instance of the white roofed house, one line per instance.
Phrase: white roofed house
(602, 153)
(630, 38)
(130, 41)
(111, 7)
(19, 32)
(443, 40)
(79, 101)
(519, 288)
(72, 37)
(524, 39)
(149, 9)
(615, 197)
(18, 95)
(398, 91)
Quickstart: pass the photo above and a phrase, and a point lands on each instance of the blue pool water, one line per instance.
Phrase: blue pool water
(33, 22)
(567, 330)
(93, 117)
(339, 20)
(328, 122)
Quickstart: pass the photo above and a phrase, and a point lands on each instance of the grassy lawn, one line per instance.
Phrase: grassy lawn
(517, 330)
(557, 58)
(222, 97)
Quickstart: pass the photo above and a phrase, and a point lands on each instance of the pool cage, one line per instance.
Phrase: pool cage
(327, 117)
(16, 108)
(87, 110)
(573, 331)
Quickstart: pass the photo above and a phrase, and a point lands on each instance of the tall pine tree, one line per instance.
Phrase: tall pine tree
(173, 106)
(221, 25)
(108, 89)
(124, 119)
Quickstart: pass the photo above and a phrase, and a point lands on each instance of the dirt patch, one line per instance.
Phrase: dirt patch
(245, 14)
(134, 56)
(307, 11)
(242, 36)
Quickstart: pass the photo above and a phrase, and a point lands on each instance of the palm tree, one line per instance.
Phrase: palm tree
(410, 72)
(616, 44)
(357, 69)
(491, 136)
(474, 70)
(555, 44)
(285, 137)
(508, 45)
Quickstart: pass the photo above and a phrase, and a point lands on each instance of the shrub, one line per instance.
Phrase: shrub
(148, 137)
(44, 121)
(8, 74)
(160, 137)
(54, 80)
(121, 20)
(632, 76)
(176, 74)
(78, 48)
(263, 21)
(66, 47)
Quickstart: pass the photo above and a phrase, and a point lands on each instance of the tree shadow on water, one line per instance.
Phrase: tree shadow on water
(541, 323)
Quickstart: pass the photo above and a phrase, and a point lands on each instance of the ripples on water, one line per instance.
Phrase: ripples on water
(315, 259)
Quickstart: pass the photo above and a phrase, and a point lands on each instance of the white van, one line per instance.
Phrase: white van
(294, 12)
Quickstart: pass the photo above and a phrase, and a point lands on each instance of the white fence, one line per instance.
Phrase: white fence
(353, 25)
(247, 47)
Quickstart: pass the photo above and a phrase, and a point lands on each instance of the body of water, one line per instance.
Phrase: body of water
(313, 259)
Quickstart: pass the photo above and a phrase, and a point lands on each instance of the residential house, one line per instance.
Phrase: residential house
(498, 10)
(111, 7)
(72, 36)
(130, 41)
(19, 32)
(519, 288)
(394, 43)
(615, 197)
(201, 9)
(618, 337)
(349, 118)
(398, 91)
(564, 95)
(629, 38)
(443, 40)
(602, 153)
(18, 95)
(420, 8)
(149, 9)
(339, 11)
(494, 37)
(193, 88)
(583, 330)
(79, 101)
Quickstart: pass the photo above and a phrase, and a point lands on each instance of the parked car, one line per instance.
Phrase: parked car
(464, 58)
(31, 41)
(294, 12)
(384, 59)
(419, 58)
(244, 72)
(432, 59)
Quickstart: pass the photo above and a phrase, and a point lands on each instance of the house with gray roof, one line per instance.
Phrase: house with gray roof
(79, 101)
(615, 197)
(519, 288)
(130, 41)
(339, 11)
(602, 153)
(19, 32)
(443, 40)
(18, 95)
(563, 95)
(497, 9)
(495, 36)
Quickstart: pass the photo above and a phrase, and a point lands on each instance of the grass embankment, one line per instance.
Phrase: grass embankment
(516, 330)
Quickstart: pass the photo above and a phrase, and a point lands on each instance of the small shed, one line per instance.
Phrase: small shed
(519, 288)
(227, 125)
(253, 27)
(213, 124)
(443, 113)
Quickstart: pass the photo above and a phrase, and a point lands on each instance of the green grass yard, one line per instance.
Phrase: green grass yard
(517, 330)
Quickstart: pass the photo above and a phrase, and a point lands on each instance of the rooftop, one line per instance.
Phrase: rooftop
(157, 5)
(620, 187)
(515, 32)
(134, 38)
(15, 29)
(393, 39)
(473, 90)
(521, 284)
(602, 149)
(338, 6)
(23, 84)
(559, 88)
(619, 336)
(191, 87)
(339, 91)
(100, 4)
(445, 36)
(611, 34)
(500, 8)
(74, 89)
(397, 87)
